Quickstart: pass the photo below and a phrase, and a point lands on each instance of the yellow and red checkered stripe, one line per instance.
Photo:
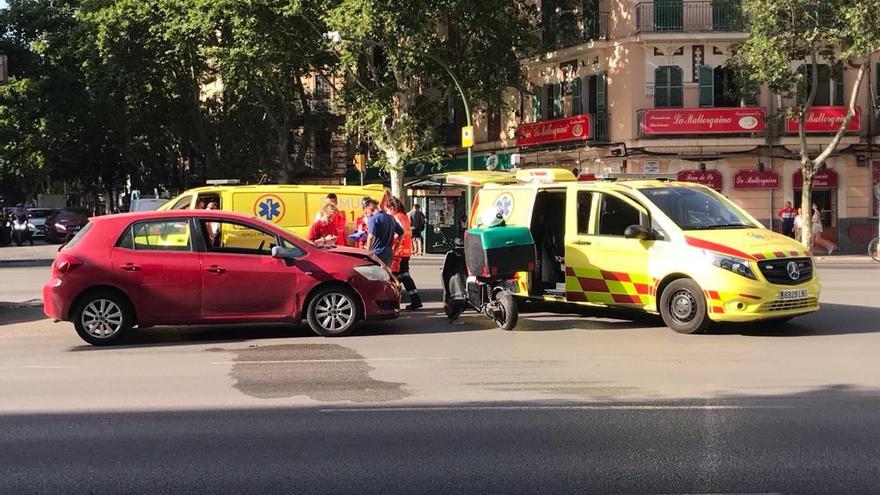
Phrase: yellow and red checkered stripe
(713, 301)
(606, 287)
(773, 255)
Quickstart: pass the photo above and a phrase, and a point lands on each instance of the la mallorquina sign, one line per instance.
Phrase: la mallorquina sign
(554, 131)
(681, 121)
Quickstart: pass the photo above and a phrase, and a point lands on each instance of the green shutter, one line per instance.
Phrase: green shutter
(577, 106)
(707, 86)
(676, 90)
(838, 87)
(661, 87)
(536, 105)
(557, 100)
(668, 15)
(601, 93)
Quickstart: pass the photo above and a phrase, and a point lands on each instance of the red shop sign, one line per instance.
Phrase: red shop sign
(554, 131)
(827, 120)
(711, 178)
(755, 179)
(660, 121)
(822, 179)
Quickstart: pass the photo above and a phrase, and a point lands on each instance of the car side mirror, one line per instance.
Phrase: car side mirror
(285, 254)
(637, 232)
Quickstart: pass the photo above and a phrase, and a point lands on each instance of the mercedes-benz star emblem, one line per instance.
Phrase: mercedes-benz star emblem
(794, 272)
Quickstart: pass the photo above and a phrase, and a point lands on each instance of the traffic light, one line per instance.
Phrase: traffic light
(360, 162)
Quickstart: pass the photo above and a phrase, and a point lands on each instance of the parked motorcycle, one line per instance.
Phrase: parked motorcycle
(480, 273)
(22, 229)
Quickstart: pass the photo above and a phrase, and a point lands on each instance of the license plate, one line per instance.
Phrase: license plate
(788, 295)
(512, 286)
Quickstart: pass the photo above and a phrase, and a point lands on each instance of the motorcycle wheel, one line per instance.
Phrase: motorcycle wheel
(507, 315)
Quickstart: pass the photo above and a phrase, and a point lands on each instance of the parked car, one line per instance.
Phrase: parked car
(147, 204)
(188, 267)
(38, 218)
(65, 223)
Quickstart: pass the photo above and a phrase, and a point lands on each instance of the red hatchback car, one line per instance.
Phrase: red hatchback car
(208, 266)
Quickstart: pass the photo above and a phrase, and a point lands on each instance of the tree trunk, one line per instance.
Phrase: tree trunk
(397, 184)
(807, 171)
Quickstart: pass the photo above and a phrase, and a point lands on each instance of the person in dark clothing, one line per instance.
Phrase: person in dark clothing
(381, 228)
(417, 222)
(787, 215)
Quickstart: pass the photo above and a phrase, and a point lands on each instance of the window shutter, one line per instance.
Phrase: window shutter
(676, 90)
(661, 87)
(707, 86)
(557, 101)
(601, 93)
(577, 106)
(838, 87)
(536, 105)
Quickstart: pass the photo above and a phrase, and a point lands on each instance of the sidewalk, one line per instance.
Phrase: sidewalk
(39, 253)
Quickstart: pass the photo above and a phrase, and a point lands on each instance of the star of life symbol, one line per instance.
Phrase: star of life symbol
(505, 204)
(269, 208)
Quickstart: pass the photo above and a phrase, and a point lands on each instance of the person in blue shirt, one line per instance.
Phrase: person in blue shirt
(381, 229)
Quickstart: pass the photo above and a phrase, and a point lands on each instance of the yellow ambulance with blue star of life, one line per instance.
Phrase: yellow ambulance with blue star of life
(674, 248)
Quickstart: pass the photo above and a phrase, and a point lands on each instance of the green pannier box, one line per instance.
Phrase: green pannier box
(499, 252)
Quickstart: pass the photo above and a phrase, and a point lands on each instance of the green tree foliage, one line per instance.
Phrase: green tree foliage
(390, 50)
(786, 34)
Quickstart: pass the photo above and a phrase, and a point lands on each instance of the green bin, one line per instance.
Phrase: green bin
(499, 252)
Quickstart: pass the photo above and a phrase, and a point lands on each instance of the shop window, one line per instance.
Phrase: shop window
(668, 90)
(829, 90)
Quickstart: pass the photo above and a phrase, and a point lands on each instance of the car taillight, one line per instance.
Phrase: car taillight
(66, 263)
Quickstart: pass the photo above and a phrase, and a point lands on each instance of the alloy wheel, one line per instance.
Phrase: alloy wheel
(334, 311)
(102, 318)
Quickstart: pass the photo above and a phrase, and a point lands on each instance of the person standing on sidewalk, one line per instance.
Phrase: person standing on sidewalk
(787, 215)
(403, 252)
(417, 221)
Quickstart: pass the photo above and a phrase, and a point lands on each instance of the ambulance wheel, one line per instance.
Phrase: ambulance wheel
(683, 307)
(507, 314)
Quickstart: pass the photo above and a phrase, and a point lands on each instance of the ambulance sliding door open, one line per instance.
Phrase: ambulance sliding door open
(548, 230)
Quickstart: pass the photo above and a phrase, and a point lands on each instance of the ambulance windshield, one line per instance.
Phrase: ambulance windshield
(693, 209)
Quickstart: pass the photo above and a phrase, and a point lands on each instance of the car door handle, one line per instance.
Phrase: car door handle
(131, 267)
(215, 269)
(583, 243)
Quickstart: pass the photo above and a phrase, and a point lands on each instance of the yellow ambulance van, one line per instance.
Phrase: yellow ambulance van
(674, 248)
(292, 207)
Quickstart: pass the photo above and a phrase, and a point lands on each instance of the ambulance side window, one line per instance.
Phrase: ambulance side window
(584, 208)
(183, 203)
(615, 215)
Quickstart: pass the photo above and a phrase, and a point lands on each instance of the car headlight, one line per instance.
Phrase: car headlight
(375, 273)
(60, 226)
(733, 264)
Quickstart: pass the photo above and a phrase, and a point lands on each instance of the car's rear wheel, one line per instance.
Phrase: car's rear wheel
(333, 312)
(683, 307)
(103, 318)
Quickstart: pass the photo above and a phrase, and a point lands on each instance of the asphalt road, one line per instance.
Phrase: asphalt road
(568, 403)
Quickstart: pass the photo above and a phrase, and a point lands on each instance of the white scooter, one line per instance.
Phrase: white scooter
(22, 230)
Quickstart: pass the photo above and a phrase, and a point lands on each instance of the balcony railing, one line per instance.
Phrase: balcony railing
(688, 15)
(600, 125)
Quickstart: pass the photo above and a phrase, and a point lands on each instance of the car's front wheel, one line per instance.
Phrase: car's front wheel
(103, 318)
(333, 312)
(683, 307)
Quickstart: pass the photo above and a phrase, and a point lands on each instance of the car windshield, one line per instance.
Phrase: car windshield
(695, 209)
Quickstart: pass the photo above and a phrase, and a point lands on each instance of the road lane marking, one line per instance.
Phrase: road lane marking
(563, 408)
(348, 360)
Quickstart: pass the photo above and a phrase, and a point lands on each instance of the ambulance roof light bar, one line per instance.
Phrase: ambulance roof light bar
(222, 182)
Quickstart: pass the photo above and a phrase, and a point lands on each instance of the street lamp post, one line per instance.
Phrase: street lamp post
(336, 37)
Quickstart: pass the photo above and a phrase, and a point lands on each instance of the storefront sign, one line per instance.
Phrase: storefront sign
(822, 179)
(827, 120)
(661, 121)
(755, 179)
(710, 178)
(554, 131)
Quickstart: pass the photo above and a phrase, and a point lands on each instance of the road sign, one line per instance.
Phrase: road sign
(360, 162)
(467, 136)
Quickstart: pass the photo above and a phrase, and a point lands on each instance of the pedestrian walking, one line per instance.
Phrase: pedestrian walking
(817, 232)
(381, 228)
(417, 222)
(403, 252)
(787, 215)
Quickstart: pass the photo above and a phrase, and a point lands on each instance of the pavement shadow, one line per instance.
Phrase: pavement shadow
(24, 312)
(201, 334)
(831, 319)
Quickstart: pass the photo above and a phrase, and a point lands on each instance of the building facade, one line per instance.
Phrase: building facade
(640, 88)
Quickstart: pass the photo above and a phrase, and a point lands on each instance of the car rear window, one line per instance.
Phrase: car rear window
(78, 237)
